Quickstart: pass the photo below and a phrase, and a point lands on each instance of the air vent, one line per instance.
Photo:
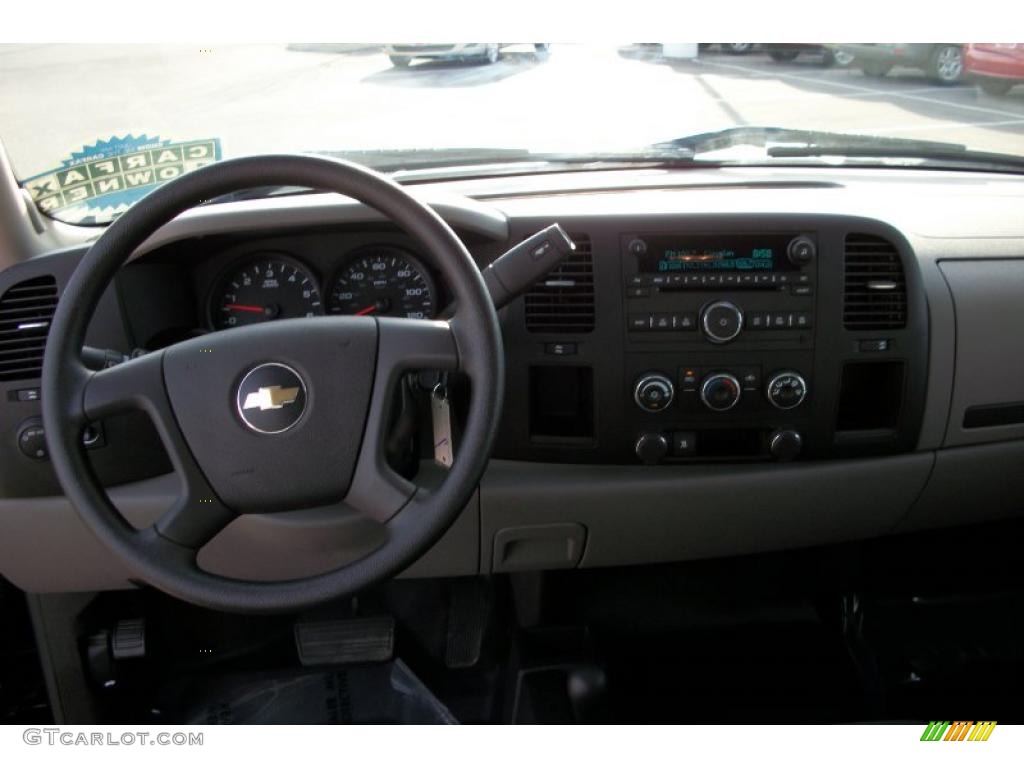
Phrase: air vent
(26, 310)
(563, 302)
(875, 296)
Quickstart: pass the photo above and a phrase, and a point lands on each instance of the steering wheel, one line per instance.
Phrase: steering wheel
(276, 416)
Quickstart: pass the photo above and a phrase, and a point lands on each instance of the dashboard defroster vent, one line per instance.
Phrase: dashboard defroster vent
(563, 302)
(875, 292)
(26, 310)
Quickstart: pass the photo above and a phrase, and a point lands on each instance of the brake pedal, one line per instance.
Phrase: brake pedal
(345, 641)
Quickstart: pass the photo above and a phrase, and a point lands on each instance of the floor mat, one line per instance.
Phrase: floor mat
(366, 694)
(764, 673)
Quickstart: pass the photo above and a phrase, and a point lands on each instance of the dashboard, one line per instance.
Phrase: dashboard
(731, 361)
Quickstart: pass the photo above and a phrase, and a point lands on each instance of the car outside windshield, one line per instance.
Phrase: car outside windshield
(90, 129)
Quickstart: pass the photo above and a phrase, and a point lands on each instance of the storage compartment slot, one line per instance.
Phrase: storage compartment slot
(561, 403)
(870, 397)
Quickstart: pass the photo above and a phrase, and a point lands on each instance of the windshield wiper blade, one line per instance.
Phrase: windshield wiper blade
(928, 151)
(767, 136)
(550, 163)
(796, 143)
(416, 159)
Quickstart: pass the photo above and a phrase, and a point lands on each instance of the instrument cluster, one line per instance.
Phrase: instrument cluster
(382, 280)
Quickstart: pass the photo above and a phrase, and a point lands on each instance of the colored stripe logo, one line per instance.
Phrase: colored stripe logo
(960, 730)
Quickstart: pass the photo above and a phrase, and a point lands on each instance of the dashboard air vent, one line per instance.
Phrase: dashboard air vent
(563, 302)
(875, 294)
(26, 310)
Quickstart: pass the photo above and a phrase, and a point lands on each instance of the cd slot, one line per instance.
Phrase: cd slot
(687, 289)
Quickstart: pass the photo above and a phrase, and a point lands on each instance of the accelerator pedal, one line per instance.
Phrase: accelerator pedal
(469, 608)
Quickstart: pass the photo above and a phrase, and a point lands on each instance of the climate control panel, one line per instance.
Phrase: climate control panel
(718, 391)
(730, 407)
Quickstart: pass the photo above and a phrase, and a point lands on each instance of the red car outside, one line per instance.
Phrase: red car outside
(995, 67)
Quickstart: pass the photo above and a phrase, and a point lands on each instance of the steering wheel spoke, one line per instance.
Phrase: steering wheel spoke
(403, 345)
(197, 515)
(135, 385)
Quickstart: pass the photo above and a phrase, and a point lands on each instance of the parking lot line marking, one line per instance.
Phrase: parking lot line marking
(862, 89)
(941, 89)
(803, 96)
(799, 97)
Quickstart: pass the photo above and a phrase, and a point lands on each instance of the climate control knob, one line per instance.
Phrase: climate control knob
(721, 321)
(786, 390)
(654, 392)
(651, 447)
(720, 391)
(785, 444)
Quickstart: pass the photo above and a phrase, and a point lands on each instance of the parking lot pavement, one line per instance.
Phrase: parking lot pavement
(259, 98)
(905, 103)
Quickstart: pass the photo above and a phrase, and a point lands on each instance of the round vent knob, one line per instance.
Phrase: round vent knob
(654, 392)
(720, 391)
(786, 390)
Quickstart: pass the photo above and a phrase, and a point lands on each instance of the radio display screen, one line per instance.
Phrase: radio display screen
(714, 253)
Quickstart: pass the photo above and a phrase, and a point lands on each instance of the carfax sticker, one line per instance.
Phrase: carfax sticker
(102, 180)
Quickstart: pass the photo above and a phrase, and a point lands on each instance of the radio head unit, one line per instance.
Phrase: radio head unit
(677, 254)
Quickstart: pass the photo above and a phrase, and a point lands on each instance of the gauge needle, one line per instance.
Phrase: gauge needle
(244, 308)
(367, 310)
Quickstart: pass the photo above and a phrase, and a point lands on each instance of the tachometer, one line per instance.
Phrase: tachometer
(266, 287)
(383, 280)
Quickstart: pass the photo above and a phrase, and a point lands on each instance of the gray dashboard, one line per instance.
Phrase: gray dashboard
(955, 457)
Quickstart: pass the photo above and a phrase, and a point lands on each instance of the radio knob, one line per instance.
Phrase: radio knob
(785, 444)
(654, 392)
(720, 391)
(637, 247)
(651, 447)
(722, 321)
(801, 251)
(786, 390)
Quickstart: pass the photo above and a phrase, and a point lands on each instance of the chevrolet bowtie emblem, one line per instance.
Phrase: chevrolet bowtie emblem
(269, 398)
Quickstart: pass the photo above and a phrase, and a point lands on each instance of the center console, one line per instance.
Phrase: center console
(682, 340)
(719, 332)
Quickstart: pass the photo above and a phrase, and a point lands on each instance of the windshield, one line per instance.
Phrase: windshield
(91, 129)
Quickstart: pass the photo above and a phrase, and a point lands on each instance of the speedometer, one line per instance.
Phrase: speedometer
(383, 280)
(266, 287)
